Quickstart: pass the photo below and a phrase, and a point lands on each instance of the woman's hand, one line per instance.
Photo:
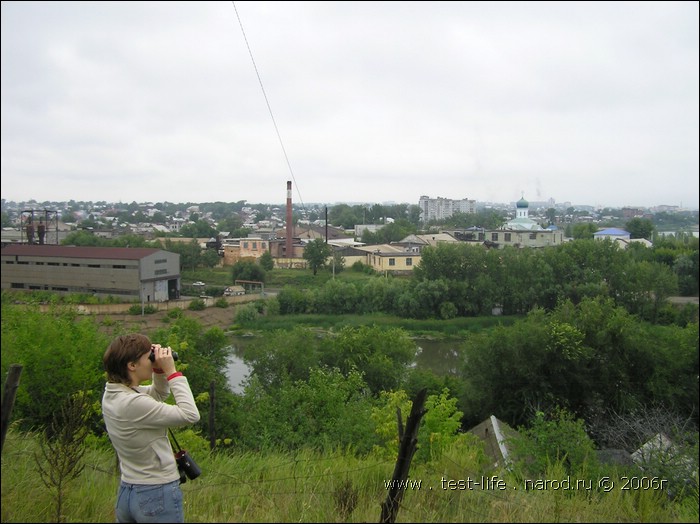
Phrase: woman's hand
(163, 359)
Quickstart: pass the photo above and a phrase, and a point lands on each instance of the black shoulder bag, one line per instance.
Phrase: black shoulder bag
(186, 465)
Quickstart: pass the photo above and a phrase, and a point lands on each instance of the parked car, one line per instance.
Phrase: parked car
(198, 283)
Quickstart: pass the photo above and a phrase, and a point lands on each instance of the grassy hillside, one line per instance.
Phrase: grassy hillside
(275, 278)
(334, 487)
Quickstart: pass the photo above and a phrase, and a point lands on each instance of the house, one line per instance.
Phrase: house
(392, 258)
(624, 244)
(656, 446)
(253, 247)
(523, 238)
(415, 243)
(351, 254)
(201, 241)
(660, 455)
(142, 274)
(612, 233)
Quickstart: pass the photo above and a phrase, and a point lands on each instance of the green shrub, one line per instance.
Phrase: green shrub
(247, 313)
(272, 306)
(137, 309)
(197, 305)
(557, 438)
(175, 313)
(448, 310)
(359, 267)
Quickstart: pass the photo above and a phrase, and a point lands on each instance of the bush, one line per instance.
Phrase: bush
(197, 305)
(247, 313)
(359, 267)
(175, 313)
(271, 307)
(448, 310)
(557, 438)
(222, 303)
(137, 309)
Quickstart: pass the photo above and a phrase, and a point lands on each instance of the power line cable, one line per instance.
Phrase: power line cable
(269, 108)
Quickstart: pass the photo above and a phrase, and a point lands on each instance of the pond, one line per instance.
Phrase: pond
(438, 356)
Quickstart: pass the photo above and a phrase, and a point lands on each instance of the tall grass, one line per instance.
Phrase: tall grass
(419, 328)
(334, 486)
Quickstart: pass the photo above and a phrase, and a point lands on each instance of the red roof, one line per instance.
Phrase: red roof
(33, 250)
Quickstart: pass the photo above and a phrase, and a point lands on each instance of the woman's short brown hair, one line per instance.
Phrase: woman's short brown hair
(121, 351)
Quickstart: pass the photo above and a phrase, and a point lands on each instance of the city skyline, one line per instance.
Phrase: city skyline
(478, 203)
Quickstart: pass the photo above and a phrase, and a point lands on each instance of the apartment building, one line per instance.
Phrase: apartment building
(441, 208)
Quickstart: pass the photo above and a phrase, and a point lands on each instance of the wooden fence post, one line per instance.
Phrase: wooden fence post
(8, 398)
(407, 447)
(212, 406)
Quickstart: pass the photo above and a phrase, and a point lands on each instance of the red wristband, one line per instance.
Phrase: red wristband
(176, 374)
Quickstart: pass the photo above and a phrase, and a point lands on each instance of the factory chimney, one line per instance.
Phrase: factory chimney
(290, 226)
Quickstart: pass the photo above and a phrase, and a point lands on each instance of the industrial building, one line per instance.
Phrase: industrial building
(142, 274)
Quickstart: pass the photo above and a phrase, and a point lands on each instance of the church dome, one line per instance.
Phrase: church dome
(521, 203)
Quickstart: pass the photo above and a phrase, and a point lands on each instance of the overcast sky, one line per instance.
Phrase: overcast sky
(589, 103)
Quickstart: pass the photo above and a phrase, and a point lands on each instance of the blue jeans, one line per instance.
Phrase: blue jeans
(150, 502)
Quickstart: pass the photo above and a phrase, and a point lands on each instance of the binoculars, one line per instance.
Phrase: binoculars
(187, 467)
(152, 356)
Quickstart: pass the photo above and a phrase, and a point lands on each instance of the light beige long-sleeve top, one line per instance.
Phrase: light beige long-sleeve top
(138, 421)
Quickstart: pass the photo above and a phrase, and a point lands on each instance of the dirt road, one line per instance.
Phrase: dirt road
(147, 324)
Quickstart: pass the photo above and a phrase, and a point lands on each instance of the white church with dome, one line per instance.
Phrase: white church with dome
(521, 232)
(522, 222)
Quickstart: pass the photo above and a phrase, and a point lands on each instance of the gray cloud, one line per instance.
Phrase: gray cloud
(374, 101)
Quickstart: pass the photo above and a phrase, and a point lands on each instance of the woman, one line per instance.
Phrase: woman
(137, 421)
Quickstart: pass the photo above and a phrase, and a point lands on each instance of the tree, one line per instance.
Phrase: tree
(198, 229)
(686, 267)
(247, 270)
(190, 252)
(381, 355)
(640, 228)
(266, 261)
(68, 216)
(489, 219)
(439, 427)
(583, 230)
(284, 354)
(210, 258)
(62, 447)
(230, 223)
(82, 238)
(338, 262)
(159, 218)
(65, 347)
(327, 408)
(316, 253)
(551, 215)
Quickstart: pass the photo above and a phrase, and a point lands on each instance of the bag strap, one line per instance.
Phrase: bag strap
(176, 443)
